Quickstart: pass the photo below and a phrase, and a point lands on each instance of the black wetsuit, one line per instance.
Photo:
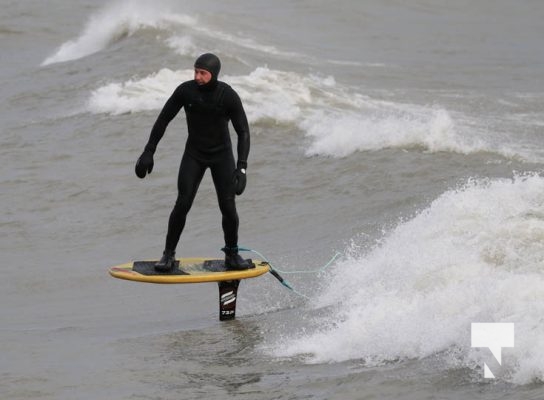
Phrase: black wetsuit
(208, 109)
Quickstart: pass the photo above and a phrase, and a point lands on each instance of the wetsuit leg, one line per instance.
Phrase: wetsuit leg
(222, 172)
(190, 175)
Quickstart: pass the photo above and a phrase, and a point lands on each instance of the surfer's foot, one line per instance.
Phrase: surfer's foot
(167, 262)
(233, 259)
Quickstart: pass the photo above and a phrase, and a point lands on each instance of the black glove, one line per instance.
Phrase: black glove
(239, 178)
(144, 165)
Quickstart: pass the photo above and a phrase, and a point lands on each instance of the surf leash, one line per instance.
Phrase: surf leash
(276, 272)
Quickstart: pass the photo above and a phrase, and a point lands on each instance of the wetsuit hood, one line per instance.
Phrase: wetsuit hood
(211, 63)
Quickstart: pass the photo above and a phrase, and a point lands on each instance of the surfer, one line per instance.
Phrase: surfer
(209, 106)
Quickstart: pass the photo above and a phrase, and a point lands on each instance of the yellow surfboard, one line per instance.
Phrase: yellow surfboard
(188, 270)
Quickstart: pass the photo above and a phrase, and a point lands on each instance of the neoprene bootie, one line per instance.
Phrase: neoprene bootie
(233, 259)
(167, 262)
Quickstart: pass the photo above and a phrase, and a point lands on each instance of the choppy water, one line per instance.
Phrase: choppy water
(406, 137)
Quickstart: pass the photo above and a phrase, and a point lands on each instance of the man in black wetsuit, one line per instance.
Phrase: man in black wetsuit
(209, 106)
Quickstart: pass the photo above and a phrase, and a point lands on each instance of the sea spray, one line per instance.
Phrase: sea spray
(112, 23)
(474, 255)
(125, 18)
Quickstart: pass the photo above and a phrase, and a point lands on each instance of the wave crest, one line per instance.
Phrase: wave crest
(474, 255)
(337, 121)
(114, 22)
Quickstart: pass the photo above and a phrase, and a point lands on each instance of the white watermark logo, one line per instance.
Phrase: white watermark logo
(494, 336)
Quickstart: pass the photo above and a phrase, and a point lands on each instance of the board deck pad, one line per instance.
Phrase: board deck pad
(219, 265)
(148, 267)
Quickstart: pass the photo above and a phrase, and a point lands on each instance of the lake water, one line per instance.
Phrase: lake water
(405, 136)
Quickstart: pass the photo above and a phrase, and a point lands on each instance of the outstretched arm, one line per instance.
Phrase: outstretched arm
(169, 111)
(145, 162)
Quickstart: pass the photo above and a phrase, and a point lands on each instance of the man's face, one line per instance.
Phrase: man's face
(202, 76)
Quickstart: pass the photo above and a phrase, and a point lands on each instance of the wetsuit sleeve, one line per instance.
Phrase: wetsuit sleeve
(239, 122)
(169, 111)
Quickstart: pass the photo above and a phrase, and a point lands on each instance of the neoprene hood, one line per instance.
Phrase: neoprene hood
(210, 62)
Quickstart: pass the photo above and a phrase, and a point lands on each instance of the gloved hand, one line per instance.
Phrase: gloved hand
(145, 163)
(239, 178)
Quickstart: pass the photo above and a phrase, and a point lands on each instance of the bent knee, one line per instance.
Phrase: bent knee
(227, 205)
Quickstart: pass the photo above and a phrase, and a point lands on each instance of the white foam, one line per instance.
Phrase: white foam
(267, 95)
(273, 95)
(183, 45)
(149, 93)
(119, 19)
(474, 255)
(337, 121)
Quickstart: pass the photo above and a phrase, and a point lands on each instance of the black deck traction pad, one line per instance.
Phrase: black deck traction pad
(148, 267)
(219, 265)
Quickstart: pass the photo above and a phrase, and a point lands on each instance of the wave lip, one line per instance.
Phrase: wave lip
(474, 255)
(112, 23)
